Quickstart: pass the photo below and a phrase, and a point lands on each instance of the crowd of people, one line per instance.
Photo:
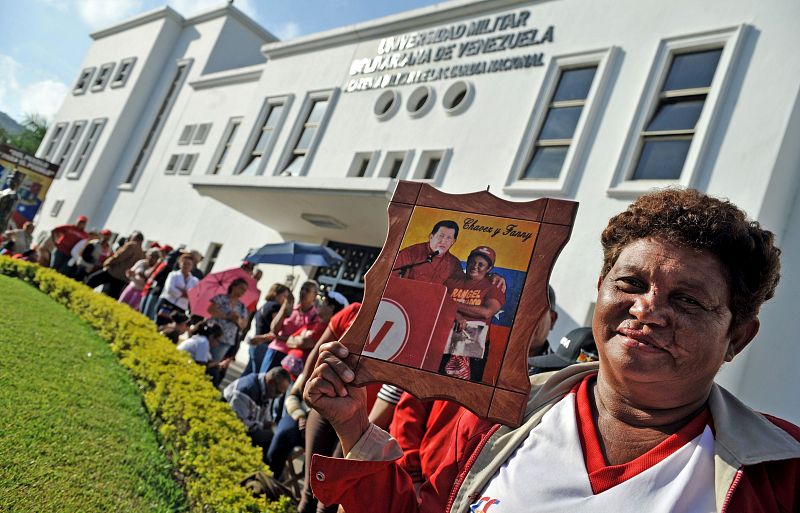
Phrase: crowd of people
(623, 415)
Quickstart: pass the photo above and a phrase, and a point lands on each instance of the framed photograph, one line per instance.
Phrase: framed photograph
(452, 300)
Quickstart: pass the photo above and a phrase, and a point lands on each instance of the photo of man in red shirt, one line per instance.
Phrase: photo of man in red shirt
(431, 261)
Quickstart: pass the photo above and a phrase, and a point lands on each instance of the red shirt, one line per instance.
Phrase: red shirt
(66, 236)
(473, 292)
(343, 319)
(438, 270)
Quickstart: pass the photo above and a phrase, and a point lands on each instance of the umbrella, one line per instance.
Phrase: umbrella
(294, 253)
(217, 283)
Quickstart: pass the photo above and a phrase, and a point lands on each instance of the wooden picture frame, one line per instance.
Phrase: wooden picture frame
(423, 323)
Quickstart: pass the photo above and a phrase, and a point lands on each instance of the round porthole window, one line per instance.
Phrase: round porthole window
(420, 101)
(387, 104)
(458, 97)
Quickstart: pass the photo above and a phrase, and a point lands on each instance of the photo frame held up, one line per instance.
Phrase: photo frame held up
(453, 299)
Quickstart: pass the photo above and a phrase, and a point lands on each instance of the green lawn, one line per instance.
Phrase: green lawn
(74, 435)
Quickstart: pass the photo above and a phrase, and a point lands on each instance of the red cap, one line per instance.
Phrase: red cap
(105, 232)
(166, 248)
(486, 252)
(82, 219)
(154, 244)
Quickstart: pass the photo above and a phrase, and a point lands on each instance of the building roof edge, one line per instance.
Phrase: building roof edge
(147, 17)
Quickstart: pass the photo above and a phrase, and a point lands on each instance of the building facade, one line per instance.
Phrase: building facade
(209, 132)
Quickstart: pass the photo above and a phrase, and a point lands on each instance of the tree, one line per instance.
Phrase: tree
(28, 140)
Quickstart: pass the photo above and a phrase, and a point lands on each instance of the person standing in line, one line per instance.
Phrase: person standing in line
(288, 320)
(137, 274)
(8, 199)
(21, 239)
(231, 315)
(151, 293)
(112, 275)
(64, 238)
(277, 294)
(175, 296)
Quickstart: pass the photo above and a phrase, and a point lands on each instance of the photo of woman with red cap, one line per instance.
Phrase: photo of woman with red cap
(477, 302)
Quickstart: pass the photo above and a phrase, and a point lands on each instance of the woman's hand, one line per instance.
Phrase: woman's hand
(329, 391)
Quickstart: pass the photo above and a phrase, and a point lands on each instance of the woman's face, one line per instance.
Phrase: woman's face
(186, 265)
(280, 298)
(477, 267)
(238, 290)
(309, 297)
(662, 318)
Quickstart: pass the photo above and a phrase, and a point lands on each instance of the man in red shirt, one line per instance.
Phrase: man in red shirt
(64, 238)
(431, 261)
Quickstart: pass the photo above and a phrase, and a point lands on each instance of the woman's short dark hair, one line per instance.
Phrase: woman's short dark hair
(689, 218)
(276, 290)
(236, 283)
(207, 328)
(446, 224)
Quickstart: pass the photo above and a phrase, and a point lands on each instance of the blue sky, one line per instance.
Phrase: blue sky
(43, 42)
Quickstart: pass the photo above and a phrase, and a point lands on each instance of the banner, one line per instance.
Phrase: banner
(38, 175)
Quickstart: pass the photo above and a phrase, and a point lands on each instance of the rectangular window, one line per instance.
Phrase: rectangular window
(86, 148)
(347, 277)
(266, 136)
(201, 133)
(670, 128)
(363, 164)
(84, 79)
(103, 75)
(55, 140)
(187, 164)
(556, 133)
(158, 122)
(172, 164)
(73, 136)
(225, 145)
(307, 137)
(186, 134)
(432, 164)
(56, 208)
(212, 253)
(395, 164)
(123, 72)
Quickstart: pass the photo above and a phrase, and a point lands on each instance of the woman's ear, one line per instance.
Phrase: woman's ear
(741, 336)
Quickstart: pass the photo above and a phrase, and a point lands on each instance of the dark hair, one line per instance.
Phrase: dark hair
(137, 236)
(335, 305)
(688, 218)
(278, 374)
(178, 317)
(446, 224)
(88, 253)
(207, 328)
(236, 283)
(275, 290)
(307, 286)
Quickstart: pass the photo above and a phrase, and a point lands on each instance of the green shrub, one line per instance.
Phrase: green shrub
(208, 446)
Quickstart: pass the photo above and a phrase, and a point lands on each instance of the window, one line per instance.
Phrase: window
(347, 277)
(186, 134)
(72, 140)
(86, 148)
(187, 164)
(158, 122)
(387, 105)
(556, 133)
(420, 101)
(394, 165)
(83, 80)
(55, 140)
(212, 253)
(225, 145)
(201, 133)
(265, 137)
(172, 164)
(363, 163)
(306, 139)
(432, 164)
(670, 129)
(123, 72)
(458, 97)
(103, 74)
(56, 208)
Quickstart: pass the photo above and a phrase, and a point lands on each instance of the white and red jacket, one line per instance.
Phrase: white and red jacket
(756, 459)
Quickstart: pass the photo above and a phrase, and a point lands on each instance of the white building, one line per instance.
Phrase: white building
(210, 133)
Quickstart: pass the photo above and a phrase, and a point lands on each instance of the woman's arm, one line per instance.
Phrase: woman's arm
(490, 307)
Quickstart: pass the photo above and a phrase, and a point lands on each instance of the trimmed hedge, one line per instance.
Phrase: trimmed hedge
(208, 446)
